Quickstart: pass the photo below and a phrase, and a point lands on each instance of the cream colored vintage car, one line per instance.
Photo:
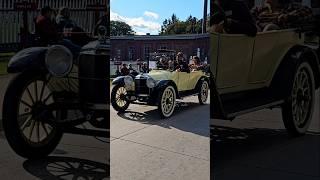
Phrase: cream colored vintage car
(273, 69)
(160, 88)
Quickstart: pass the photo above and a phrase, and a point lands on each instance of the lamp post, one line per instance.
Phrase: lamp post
(205, 14)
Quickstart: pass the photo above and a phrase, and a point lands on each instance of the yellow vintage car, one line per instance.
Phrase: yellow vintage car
(159, 88)
(273, 69)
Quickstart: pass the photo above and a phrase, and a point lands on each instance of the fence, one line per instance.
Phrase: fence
(11, 20)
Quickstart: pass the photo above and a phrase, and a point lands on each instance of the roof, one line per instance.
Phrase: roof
(161, 37)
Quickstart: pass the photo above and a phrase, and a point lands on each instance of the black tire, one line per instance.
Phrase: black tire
(166, 101)
(114, 99)
(203, 89)
(11, 123)
(298, 108)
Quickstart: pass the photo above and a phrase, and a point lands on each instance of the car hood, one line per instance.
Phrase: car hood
(160, 74)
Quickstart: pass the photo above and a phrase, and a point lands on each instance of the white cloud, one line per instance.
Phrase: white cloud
(151, 14)
(139, 24)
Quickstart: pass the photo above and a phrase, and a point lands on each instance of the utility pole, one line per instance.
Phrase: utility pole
(205, 14)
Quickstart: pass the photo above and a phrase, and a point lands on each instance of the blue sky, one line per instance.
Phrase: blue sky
(146, 16)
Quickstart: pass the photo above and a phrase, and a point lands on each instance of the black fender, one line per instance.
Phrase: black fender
(29, 58)
(162, 84)
(118, 80)
(203, 78)
(292, 59)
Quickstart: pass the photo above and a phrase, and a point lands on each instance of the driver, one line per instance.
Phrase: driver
(233, 17)
(181, 65)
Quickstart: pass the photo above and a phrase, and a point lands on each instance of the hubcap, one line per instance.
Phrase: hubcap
(301, 97)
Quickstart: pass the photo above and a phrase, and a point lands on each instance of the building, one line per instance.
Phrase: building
(131, 48)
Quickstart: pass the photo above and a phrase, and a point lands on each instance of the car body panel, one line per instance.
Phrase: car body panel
(253, 61)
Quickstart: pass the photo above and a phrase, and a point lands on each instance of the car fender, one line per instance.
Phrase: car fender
(202, 78)
(118, 80)
(164, 83)
(29, 58)
(293, 57)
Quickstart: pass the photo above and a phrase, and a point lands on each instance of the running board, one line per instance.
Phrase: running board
(246, 111)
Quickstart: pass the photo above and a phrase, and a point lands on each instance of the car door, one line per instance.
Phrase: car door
(232, 56)
(183, 81)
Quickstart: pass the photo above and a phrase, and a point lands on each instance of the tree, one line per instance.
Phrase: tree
(173, 25)
(119, 28)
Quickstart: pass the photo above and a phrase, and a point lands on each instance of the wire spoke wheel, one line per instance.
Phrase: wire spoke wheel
(33, 115)
(204, 92)
(298, 109)
(167, 102)
(301, 97)
(28, 122)
(119, 99)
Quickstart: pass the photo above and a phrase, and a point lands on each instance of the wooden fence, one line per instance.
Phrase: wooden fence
(11, 20)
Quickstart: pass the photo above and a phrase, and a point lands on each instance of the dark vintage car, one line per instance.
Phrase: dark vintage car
(52, 92)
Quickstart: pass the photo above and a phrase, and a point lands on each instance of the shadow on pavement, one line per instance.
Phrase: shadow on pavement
(263, 154)
(66, 168)
(153, 118)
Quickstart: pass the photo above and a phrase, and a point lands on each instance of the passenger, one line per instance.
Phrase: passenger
(233, 17)
(181, 64)
(144, 68)
(46, 29)
(196, 65)
(63, 19)
(124, 70)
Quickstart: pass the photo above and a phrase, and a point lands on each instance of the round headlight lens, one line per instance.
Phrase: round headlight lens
(128, 81)
(59, 60)
(151, 83)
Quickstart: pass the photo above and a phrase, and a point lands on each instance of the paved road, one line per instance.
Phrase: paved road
(145, 147)
(77, 157)
(257, 147)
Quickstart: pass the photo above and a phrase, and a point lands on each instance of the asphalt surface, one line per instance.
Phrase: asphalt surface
(145, 147)
(76, 157)
(257, 147)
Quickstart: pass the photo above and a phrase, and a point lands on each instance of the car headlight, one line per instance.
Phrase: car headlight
(59, 60)
(128, 81)
(151, 83)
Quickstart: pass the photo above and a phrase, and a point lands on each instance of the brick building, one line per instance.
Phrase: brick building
(131, 48)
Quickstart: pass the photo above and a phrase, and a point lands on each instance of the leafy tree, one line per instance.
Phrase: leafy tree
(173, 25)
(119, 28)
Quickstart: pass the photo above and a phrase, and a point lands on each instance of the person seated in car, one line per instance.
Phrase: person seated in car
(196, 64)
(144, 68)
(181, 64)
(232, 17)
(124, 70)
(63, 19)
(48, 32)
